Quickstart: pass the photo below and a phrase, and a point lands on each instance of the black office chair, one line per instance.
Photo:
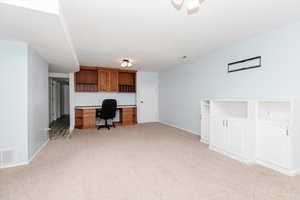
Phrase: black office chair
(107, 112)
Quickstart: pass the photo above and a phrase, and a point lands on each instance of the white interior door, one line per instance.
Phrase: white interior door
(236, 132)
(273, 144)
(147, 97)
(58, 100)
(218, 133)
(54, 101)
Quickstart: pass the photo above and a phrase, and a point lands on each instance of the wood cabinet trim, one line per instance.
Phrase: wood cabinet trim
(107, 68)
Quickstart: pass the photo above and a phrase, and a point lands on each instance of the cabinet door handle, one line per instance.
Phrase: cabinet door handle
(223, 123)
(287, 132)
(227, 123)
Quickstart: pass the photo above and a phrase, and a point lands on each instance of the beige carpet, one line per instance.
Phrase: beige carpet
(143, 162)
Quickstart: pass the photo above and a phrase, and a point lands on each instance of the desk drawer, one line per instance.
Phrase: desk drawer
(129, 110)
(89, 114)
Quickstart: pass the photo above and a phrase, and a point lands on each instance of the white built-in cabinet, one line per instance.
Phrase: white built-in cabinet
(263, 132)
(228, 127)
(274, 134)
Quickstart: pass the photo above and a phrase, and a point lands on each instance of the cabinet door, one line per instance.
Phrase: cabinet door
(218, 133)
(273, 143)
(128, 116)
(89, 118)
(103, 82)
(236, 134)
(114, 83)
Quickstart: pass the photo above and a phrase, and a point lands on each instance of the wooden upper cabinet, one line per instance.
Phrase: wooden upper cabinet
(114, 81)
(104, 82)
(108, 81)
(86, 77)
(100, 79)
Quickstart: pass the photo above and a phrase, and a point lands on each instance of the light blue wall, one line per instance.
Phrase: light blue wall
(13, 100)
(38, 106)
(23, 102)
(183, 87)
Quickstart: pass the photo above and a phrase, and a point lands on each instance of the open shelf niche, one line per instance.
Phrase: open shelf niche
(274, 111)
(87, 81)
(230, 109)
(127, 82)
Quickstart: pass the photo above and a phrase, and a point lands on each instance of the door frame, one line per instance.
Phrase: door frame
(70, 77)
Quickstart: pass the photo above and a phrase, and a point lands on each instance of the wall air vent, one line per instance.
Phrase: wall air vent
(6, 157)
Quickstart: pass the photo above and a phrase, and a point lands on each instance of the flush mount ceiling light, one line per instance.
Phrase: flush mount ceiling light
(191, 6)
(126, 63)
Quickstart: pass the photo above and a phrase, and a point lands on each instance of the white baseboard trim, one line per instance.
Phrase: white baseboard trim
(14, 165)
(29, 160)
(278, 168)
(295, 172)
(242, 160)
(203, 140)
(259, 162)
(174, 126)
(38, 151)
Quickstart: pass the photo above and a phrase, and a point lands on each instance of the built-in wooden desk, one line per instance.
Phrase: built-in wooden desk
(85, 116)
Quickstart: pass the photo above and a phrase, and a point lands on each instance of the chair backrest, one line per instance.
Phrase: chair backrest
(109, 108)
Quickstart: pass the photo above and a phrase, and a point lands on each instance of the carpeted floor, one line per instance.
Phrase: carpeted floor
(143, 162)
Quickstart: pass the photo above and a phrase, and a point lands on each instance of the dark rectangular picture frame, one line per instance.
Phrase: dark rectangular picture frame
(243, 61)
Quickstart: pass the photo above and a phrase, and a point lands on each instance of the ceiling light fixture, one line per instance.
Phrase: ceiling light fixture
(177, 3)
(126, 63)
(191, 6)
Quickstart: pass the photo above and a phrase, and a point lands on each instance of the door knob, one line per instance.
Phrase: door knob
(142, 101)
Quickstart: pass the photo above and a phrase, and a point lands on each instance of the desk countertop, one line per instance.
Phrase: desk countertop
(97, 107)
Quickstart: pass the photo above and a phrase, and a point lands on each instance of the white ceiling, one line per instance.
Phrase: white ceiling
(156, 35)
(151, 32)
(43, 31)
